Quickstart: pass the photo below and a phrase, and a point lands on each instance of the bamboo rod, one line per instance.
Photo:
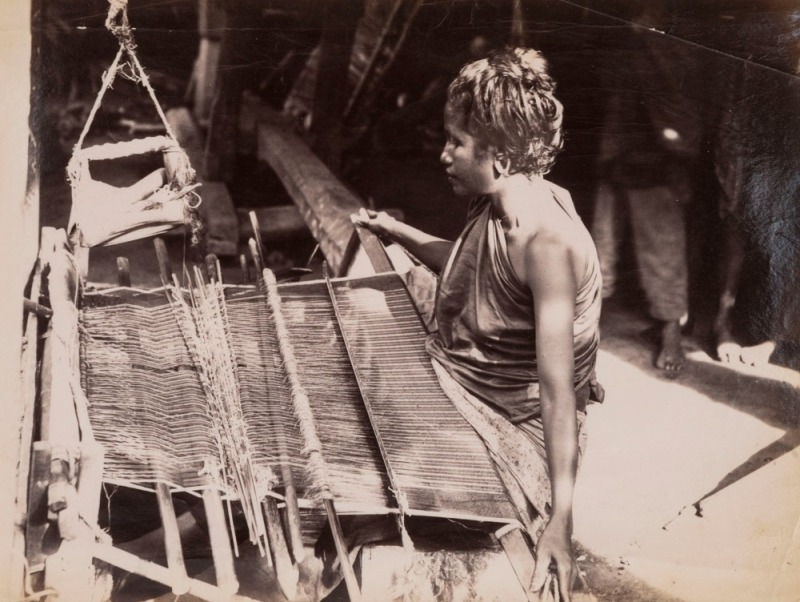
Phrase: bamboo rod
(257, 237)
(292, 512)
(308, 429)
(172, 541)
(256, 253)
(290, 490)
(220, 542)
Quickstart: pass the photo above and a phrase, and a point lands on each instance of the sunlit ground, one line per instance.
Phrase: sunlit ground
(726, 437)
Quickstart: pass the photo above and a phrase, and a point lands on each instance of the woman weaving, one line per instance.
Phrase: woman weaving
(518, 301)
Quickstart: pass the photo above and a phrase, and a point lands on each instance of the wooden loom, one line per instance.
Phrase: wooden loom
(344, 358)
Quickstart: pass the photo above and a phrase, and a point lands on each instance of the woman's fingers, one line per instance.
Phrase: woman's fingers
(564, 570)
(540, 571)
(566, 576)
(363, 216)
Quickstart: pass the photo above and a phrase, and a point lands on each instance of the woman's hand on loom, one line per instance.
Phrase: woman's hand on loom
(555, 547)
(379, 222)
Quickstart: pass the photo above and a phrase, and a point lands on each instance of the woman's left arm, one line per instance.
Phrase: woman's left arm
(550, 275)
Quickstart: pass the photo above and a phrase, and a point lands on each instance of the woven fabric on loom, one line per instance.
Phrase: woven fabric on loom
(435, 458)
(357, 474)
(149, 411)
(146, 404)
(148, 408)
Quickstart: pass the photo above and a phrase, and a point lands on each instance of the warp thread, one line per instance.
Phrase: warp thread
(204, 325)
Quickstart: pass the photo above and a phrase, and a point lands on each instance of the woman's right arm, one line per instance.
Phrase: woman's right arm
(430, 250)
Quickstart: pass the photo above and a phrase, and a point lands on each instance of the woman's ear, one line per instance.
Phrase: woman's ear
(502, 164)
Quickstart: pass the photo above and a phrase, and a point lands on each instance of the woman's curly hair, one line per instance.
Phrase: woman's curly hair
(508, 104)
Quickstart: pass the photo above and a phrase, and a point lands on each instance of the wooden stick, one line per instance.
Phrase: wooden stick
(257, 236)
(520, 555)
(90, 479)
(213, 268)
(256, 253)
(374, 249)
(286, 571)
(245, 269)
(172, 541)
(36, 523)
(164, 265)
(123, 271)
(350, 580)
(290, 490)
(220, 542)
(292, 512)
(133, 564)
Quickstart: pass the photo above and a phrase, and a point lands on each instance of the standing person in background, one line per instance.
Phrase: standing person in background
(757, 161)
(518, 304)
(652, 134)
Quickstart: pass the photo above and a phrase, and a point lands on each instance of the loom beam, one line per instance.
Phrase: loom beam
(133, 564)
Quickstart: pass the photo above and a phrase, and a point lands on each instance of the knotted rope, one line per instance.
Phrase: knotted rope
(117, 23)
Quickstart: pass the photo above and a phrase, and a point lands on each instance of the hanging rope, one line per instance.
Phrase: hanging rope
(117, 23)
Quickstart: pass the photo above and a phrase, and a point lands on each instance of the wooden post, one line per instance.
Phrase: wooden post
(220, 542)
(172, 541)
(164, 264)
(285, 570)
(350, 580)
(37, 522)
(211, 22)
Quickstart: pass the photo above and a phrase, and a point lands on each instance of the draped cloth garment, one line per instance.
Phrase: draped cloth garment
(487, 338)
